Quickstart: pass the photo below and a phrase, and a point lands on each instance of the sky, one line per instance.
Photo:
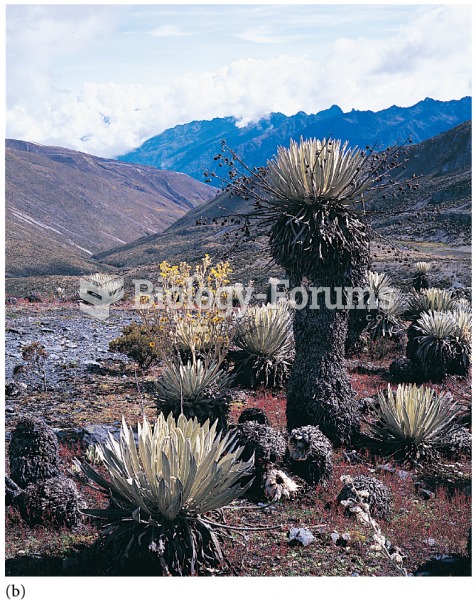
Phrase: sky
(104, 78)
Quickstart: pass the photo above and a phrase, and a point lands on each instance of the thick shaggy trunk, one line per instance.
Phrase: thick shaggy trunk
(327, 247)
(319, 391)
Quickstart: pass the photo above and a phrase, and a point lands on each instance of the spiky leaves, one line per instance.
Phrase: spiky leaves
(414, 420)
(313, 188)
(420, 277)
(314, 171)
(264, 337)
(440, 343)
(430, 299)
(386, 306)
(196, 389)
(163, 487)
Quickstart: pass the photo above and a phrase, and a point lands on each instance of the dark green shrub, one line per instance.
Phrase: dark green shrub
(138, 343)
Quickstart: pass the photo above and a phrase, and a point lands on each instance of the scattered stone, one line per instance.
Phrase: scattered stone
(352, 457)
(399, 472)
(300, 536)
(13, 330)
(15, 388)
(92, 366)
(368, 404)
(430, 541)
(99, 434)
(340, 539)
(424, 493)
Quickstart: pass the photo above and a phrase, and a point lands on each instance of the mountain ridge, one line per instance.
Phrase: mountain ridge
(63, 206)
(441, 205)
(190, 147)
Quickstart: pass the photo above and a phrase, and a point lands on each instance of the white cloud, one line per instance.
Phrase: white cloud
(36, 36)
(167, 31)
(431, 58)
(261, 35)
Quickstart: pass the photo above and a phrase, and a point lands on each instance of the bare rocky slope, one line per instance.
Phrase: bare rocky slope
(63, 206)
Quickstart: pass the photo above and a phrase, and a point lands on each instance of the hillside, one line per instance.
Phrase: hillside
(63, 206)
(190, 148)
(440, 208)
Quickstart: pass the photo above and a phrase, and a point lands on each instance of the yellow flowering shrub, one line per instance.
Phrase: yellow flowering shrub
(190, 316)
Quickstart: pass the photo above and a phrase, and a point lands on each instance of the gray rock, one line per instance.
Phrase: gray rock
(15, 388)
(300, 535)
(99, 434)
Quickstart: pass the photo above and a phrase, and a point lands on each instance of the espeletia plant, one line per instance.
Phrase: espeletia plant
(264, 345)
(166, 491)
(420, 279)
(386, 306)
(198, 389)
(307, 197)
(429, 299)
(439, 344)
(413, 421)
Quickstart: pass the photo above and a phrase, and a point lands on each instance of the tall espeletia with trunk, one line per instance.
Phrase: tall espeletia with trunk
(317, 237)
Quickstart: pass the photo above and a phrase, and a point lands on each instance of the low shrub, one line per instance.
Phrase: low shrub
(138, 342)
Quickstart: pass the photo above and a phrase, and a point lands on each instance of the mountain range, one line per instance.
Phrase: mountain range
(63, 206)
(70, 213)
(191, 148)
(438, 212)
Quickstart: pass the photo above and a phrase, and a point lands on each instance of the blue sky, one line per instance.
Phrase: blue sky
(103, 78)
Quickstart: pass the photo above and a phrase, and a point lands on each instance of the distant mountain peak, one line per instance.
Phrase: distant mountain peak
(190, 148)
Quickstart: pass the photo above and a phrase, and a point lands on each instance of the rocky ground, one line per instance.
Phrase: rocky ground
(89, 389)
(82, 376)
